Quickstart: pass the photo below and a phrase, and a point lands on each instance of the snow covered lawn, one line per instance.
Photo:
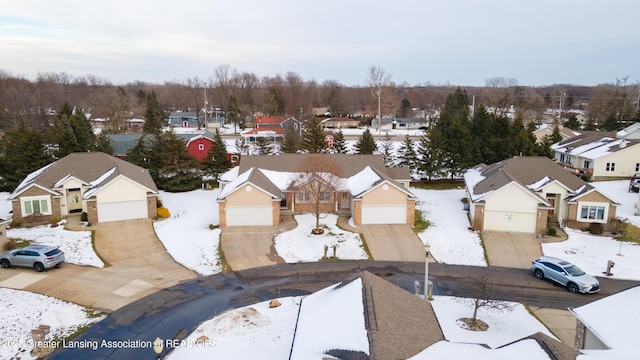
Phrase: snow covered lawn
(619, 191)
(450, 239)
(23, 311)
(186, 234)
(76, 245)
(299, 245)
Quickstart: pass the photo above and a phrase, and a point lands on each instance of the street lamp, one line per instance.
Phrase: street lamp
(427, 286)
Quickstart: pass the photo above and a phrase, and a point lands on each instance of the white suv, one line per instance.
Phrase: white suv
(564, 273)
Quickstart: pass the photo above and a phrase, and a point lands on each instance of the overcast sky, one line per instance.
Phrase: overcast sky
(536, 42)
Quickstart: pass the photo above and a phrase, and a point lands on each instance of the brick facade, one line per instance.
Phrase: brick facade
(276, 212)
(222, 213)
(92, 211)
(542, 221)
(478, 217)
(34, 220)
(152, 207)
(574, 210)
(411, 212)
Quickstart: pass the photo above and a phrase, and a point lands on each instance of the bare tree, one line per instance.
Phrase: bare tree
(377, 80)
(316, 183)
(498, 93)
(484, 293)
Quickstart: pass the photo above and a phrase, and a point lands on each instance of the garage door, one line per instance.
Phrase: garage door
(249, 216)
(384, 214)
(510, 221)
(127, 210)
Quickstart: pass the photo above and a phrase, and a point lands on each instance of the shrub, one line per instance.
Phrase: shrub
(84, 216)
(163, 213)
(15, 224)
(551, 232)
(211, 226)
(54, 222)
(9, 245)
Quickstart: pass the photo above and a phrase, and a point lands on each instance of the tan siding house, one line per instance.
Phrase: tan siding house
(264, 187)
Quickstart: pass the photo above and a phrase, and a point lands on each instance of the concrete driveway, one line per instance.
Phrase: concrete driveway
(139, 266)
(246, 247)
(393, 242)
(509, 249)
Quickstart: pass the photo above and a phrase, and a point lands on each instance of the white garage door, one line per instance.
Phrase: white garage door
(510, 221)
(128, 210)
(384, 214)
(253, 215)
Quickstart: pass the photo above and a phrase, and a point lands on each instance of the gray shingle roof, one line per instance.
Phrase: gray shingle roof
(87, 167)
(349, 164)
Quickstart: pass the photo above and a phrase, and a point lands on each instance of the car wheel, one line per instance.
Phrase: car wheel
(38, 267)
(5, 264)
(538, 274)
(573, 288)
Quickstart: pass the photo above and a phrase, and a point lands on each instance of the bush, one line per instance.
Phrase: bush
(9, 245)
(84, 216)
(54, 222)
(163, 213)
(551, 232)
(15, 224)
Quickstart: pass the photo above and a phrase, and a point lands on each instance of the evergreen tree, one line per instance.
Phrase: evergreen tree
(103, 144)
(313, 136)
(275, 105)
(22, 151)
(217, 161)
(65, 110)
(482, 126)
(290, 143)
(339, 143)
(366, 144)
(83, 131)
(431, 158)
(590, 125)
(139, 153)
(170, 164)
(572, 123)
(405, 110)
(555, 135)
(61, 136)
(234, 114)
(610, 123)
(263, 147)
(407, 155)
(153, 116)
(386, 149)
(523, 141)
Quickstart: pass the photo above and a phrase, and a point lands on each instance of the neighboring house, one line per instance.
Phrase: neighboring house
(410, 123)
(547, 130)
(599, 156)
(103, 186)
(271, 134)
(340, 123)
(135, 124)
(630, 132)
(264, 187)
(524, 194)
(282, 122)
(199, 145)
(606, 328)
(187, 119)
(386, 123)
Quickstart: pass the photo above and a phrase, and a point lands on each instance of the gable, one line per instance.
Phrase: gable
(593, 195)
(384, 193)
(120, 189)
(248, 195)
(513, 196)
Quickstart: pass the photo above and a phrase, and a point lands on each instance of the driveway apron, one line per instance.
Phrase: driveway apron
(393, 242)
(246, 247)
(509, 249)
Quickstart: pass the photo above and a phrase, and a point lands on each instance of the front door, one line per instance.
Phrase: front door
(344, 201)
(552, 201)
(74, 200)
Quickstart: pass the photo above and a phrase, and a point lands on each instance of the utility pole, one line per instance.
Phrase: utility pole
(206, 108)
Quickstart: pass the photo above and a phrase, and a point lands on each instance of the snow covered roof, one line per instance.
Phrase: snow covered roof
(613, 321)
(593, 145)
(93, 169)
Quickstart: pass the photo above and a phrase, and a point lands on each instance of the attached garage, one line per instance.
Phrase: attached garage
(384, 214)
(249, 215)
(126, 210)
(510, 221)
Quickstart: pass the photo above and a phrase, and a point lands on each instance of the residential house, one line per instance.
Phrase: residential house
(525, 194)
(599, 155)
(103, 186)
(630, 132)
(411, 124)
(271, 134)
(283, 122)
(135, 124)
(547, 130)
(187, 119)
(386, 123)
(340, 123)
(264, 187)
(606, 328)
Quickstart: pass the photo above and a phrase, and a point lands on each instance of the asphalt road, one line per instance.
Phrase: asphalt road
(175, 312)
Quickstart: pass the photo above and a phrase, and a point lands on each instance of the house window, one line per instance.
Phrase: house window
(610, 167)
(561, 157)
(234, 158)
(35, 204)
(303, 197)
(593, 212)
(325, 196)
(200, 147)
(637, 167)
(587, 163)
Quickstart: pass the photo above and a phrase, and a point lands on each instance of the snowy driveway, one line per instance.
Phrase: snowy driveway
(393, 242)
(246, 247)
(509, 249)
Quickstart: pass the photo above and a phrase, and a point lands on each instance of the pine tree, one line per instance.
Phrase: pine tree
(407, 155)
(170, 164)
(234, 114)
(217, 161)
(555, 135)
(153, 116)
(387, 150)
(339, 143)
(103, 144)
(83, 131)
(313, 136)
(431, 158)
(275, 105)
(290, 143)
(572, 123)
(62, 137)
(22, 151)
(139, 153)
(366, 144)
(263, 147)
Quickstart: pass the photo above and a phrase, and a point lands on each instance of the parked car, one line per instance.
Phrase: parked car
(634, 184)
(38, 257)
(564, 273)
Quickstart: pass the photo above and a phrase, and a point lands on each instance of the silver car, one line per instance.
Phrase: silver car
(38, 257)
(564, 273)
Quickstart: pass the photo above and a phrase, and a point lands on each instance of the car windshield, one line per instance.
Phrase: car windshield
(53, 252)
(574, 270)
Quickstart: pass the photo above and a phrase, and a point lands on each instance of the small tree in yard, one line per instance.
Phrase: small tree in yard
(484, 294)
(316, 182)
